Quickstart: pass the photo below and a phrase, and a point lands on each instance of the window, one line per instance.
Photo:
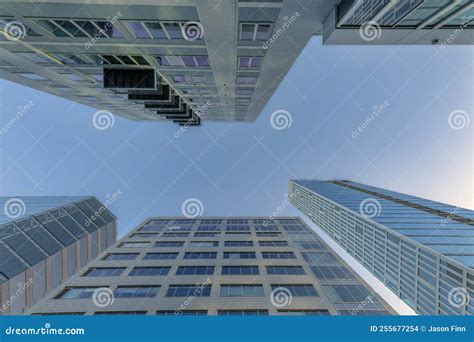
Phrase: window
(318, 258)
(239, 270)
(305, 290)
(188, 290)
(179, 229)
(315, 312)
(208, 229)
(244, 290)
(331, 272)
(237, 229)
(347, 293)
(238, 243)
(249, 62)
(237, 221)
(80, 28)
(136, 291)
(266, 228)
(182, 312)
(178, 79)
(245, 92)
(183, 61)
(76, 293)
(295, 229)
(144, 235)
(239, 255)
(134, 244)
(184, 221)
(120, 313)
(149, 271)
(273, 243)
(206, 234)
(242, 312)
(195, 270)
(173, 234)
(204, 244)
(104, 272)
(163, 244)
(211, 221)
(289, 270)
(255, 31)
(200, 255)
(121, 256)
(163, 30)
(160, 256)
(151, 229)
(268, 234)
(278, 255)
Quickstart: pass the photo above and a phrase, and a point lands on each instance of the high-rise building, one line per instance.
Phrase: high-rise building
(422, 250)
(217, 266)
(187, 60)
(44, 241)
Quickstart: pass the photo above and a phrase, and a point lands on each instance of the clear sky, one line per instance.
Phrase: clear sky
(418, 140)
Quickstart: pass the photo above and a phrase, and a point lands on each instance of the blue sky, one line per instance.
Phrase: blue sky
(243, 168)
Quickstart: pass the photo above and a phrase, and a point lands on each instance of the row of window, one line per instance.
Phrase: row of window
(184, 228)
(164, 222)
(191, 270)
(246, 312)
(207, 234)
(201, 255)
(205, 243)
(204, 290)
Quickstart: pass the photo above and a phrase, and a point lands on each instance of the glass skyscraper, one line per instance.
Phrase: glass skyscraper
(44, 241)
(422, 250)
(217, 266)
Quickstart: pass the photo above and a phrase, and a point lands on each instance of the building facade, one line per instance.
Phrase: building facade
(46, 240)
(189, 60)
(217, 266)
(422, 250)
